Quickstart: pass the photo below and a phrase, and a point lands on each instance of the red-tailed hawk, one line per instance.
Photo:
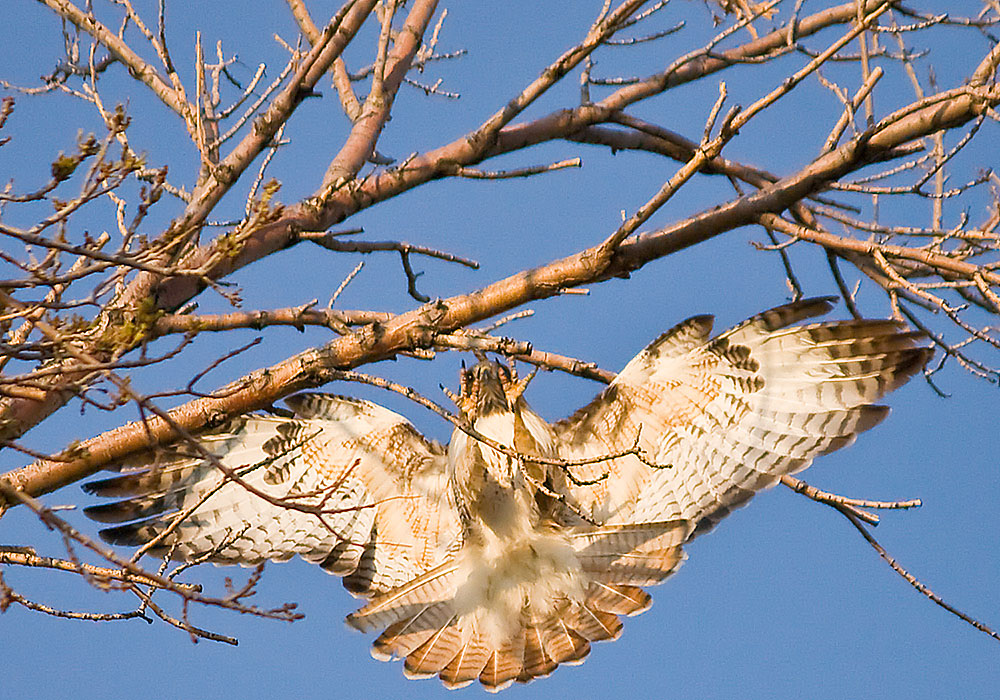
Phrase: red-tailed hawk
(499, 565)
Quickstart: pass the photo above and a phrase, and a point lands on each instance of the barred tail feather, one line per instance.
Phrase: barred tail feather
(638, 555)
(504, 665)
(564, 644)
(537, 664)
(435, 586)
(437, 652)
(468, 664)
(619, 599)
(404, 636)
(595, 625)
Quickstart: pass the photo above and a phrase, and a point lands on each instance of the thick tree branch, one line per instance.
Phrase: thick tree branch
(360, 143)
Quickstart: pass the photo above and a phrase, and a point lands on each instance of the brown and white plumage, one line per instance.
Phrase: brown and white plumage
(732, 414)
(481, 565)
(382, 486)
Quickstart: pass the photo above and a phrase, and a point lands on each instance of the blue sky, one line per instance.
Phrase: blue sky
(784, 599)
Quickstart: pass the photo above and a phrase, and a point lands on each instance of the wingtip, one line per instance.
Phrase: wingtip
(914, 361)
(102, 487)
(132, 535)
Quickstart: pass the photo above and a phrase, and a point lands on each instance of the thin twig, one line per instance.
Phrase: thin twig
(912, 580)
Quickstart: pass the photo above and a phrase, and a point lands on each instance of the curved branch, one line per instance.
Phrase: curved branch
(360, 143)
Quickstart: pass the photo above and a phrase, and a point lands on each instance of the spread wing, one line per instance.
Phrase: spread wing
(726, 417)
(344, 483)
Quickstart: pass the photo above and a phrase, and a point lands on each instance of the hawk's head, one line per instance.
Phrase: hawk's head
(489, 387)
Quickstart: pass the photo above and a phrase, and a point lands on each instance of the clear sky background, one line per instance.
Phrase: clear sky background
(783, 600)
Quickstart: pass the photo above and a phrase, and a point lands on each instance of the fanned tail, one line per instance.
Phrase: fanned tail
(525, 616)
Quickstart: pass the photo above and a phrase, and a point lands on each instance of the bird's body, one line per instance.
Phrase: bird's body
(512, 547)
(511, 551)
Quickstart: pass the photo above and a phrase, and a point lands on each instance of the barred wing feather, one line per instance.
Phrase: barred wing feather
(722, 418)
(381, 487)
